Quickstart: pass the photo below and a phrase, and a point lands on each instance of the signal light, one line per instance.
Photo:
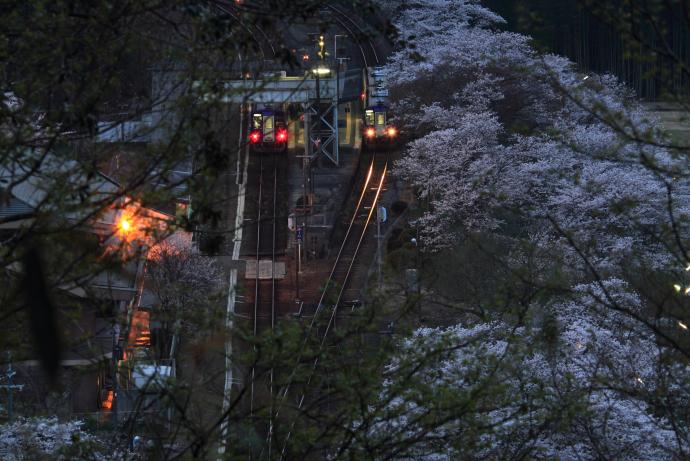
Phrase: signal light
(392, 131)
(255, 136)
(370, 132)
(282, 135)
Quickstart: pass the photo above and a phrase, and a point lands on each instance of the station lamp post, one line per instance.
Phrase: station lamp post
(125, 225)
(338, 62)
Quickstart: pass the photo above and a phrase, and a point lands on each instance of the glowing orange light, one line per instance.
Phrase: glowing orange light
(392, 131)
(305, 57)
(129, 226)
(133, 228)
(140, 332)
(371, 132)
(125, 225)
(107, 404)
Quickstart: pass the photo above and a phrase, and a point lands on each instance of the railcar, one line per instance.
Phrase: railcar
(268, 132)
(377, 130)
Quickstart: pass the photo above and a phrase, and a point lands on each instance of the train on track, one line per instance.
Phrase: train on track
(377, 131)
(268, 131)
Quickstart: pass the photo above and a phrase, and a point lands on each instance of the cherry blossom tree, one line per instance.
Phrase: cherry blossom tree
(510, 144)
(512, 135)
(185, 283)
(495, 391)
(47, 438)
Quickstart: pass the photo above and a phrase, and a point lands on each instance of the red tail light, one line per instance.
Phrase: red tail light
(282, 135)
(255, 136)
(370, 132)
(391, 131)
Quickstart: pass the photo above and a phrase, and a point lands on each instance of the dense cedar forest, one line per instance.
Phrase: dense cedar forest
(581, 31)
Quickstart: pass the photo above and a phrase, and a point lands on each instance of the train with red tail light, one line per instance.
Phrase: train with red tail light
(268, 131)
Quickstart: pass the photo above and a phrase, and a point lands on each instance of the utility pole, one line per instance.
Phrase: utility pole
(116, 346)
(338, 63)
(305, 163)
(415, 242)
(381, 216)
(299, 236)
(378, 243)
(10, 386)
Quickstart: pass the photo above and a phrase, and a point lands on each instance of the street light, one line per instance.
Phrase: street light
(415, 241)
(337, 69)
(322, 71)
(335, 44)
(125, 225)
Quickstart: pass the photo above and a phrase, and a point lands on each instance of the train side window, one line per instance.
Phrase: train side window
(380, 118)
(369, 117)
(256, 121)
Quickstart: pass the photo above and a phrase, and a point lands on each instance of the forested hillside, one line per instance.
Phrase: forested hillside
(599, 38)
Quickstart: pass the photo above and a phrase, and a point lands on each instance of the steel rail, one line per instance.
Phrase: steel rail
(335, 306)
(355, 24)
(256, 282)
(342, 245)
(273, 299)
(259, 29)
(359, 243)
(325, 289)
(291, 379)
(235, 16)
(354, 35)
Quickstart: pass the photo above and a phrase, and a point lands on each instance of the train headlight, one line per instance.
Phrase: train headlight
(370, 132)
(255, 136)
(392, 132)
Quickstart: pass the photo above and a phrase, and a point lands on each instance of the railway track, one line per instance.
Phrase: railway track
(265, 289)
(263, 246)
(339, 282)
(265, 44)
(265, 241)
(362, 37)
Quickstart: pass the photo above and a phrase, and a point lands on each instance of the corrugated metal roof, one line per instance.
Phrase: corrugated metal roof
(13, 208)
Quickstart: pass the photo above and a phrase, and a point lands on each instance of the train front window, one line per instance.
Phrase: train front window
(369, 117)
(380, 119)
(268, 127)
(256, 121)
